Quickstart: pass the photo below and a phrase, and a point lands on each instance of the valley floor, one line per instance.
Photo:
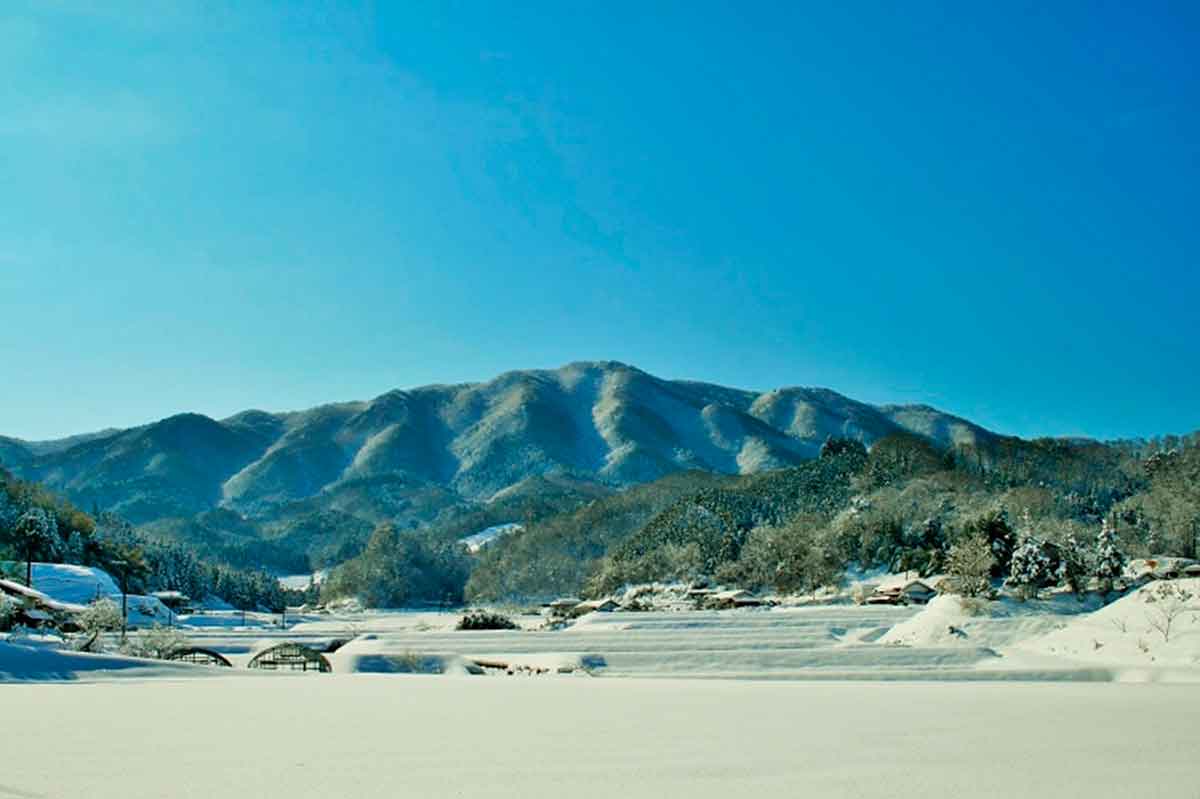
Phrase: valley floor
(381, 736)
(1055, 698)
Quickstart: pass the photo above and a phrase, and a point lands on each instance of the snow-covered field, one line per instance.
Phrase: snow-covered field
(380, 736)
(1052, 698)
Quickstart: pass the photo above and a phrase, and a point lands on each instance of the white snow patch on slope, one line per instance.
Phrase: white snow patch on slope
(302, 582)
(478, 541)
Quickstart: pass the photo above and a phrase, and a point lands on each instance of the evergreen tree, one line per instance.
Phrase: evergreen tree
(1110, 560)
(1031, 567)
(1073, 568)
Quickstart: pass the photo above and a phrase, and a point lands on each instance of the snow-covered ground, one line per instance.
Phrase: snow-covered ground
(1130, 633)
(1047, 698)
(364, 736)
(302, 582)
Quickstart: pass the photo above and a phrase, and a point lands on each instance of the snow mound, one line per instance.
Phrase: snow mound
(1130, 632)
(20, 663)
(368, 654)
(949, 620)
(77, 585)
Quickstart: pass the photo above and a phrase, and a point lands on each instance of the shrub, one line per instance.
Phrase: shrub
(974, 605)
(158, 642)
(101, 616)
(1167, 602)
(8, 612)
(485, 620)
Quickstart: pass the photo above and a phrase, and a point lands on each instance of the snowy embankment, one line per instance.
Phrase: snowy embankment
(948, 620)
(1132, 633)
(316, 737)
(49, 663)
(1063, 636)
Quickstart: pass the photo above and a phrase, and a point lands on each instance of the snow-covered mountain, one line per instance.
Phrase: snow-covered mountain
(598, 421)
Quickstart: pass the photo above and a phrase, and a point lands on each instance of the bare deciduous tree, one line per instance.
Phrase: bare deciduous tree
(1167, 601)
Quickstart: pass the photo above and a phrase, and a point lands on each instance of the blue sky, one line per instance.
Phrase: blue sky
(991, 208)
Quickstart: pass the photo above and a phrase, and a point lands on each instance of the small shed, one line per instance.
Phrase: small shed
(290, 656)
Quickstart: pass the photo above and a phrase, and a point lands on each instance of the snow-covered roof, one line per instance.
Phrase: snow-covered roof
(35, 597)
(596, 604)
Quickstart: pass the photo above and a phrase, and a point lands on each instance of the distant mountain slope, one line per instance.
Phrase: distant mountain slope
(600, 422)
(14, 453)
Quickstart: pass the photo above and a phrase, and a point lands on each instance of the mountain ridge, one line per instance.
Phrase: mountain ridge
(601, 421)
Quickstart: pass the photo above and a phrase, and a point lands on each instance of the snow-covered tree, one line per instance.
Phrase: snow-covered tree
(72, 550)
(37, 535)
(970, 564)
(1110, 560)
(103, 615)
(158, 642)
(1031, 566)
(9, 511)
(1073, 566)
(8, 612)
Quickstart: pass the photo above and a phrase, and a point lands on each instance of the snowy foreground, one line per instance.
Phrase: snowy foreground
(1054, 698)
(380, 736)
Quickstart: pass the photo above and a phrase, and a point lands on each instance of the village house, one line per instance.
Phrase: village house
(915, 592)
(606, 605)
(735, 598)
(35, 609)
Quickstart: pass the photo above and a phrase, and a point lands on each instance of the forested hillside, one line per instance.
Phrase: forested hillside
(907, 504)
(36, 525)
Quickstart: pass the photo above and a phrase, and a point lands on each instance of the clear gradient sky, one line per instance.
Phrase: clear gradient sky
(989, 207)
